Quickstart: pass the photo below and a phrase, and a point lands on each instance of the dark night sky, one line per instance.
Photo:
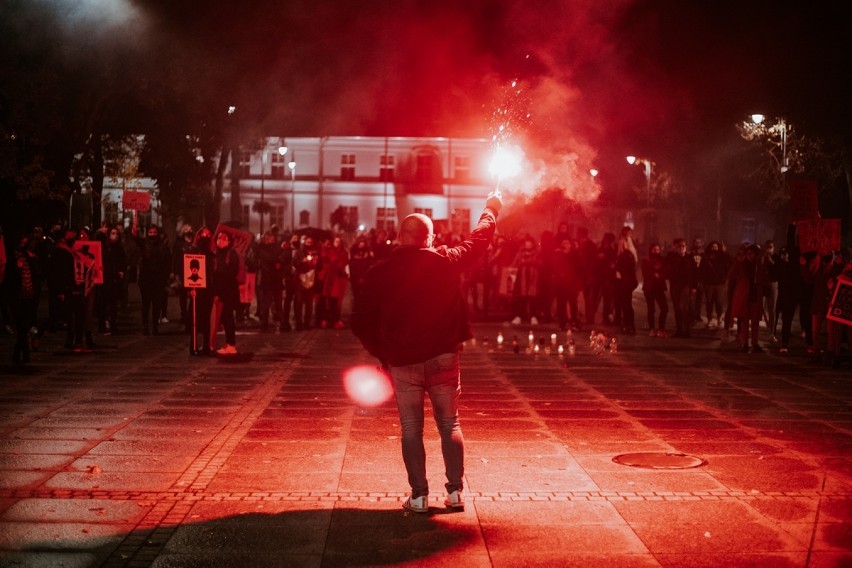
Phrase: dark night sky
(662, 78)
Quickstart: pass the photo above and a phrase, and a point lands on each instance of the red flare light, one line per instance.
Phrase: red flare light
(367, 386)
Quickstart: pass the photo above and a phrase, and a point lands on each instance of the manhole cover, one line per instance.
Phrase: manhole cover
(659, 460)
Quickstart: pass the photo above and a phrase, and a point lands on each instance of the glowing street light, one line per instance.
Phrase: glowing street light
(648, 165)
(594, 173)
(781, 128)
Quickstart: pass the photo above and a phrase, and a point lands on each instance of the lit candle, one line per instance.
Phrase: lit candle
(553, 339)
(500, 338)
(560, 349)
(536, 349)
(531, 337)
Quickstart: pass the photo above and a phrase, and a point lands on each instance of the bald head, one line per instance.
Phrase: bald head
(416, 230)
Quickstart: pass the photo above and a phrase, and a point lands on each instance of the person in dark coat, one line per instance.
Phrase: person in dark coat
(412, 317)
(201, 299)
(115, 270)
(154, 266)
(225, 287)
(21, 285)
(654, 289)
(270, 284)
(625, 283)
(682, 273)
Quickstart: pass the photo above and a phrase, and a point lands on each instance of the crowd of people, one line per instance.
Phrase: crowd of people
(299, 281)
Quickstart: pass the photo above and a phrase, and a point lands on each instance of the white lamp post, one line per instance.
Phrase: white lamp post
(292, 166)
(648, 164)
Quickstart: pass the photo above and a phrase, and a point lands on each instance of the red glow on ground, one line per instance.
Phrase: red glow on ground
(367, 386)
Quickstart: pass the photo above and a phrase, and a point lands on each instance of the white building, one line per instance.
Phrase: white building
(374, 181)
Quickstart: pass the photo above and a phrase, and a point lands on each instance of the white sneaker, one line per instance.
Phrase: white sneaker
(417, 504)
(227, 350)
(164, 320)
(516, 320)
(713, 324)
(455, 500)
(533, 321)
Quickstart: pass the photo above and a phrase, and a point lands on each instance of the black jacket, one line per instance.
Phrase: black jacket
(412, 308)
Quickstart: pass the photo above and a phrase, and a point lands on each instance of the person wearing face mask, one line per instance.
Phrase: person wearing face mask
(225, 288)
(115, 268)
(654, 289)
(201, 299)
(153, 277)
(182, 246)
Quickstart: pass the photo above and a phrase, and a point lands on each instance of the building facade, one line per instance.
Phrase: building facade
(357, 183)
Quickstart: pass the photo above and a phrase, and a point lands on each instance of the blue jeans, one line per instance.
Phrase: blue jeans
(439, 377)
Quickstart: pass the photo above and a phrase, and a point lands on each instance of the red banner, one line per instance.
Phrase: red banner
(820, 235)
(137, 200)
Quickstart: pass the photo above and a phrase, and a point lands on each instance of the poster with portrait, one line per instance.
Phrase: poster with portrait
(840, 308)
(88, 264)
(194, 271)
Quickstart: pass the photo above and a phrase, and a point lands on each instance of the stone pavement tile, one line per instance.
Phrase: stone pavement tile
(819, 559)
(238, 559)
(285, 434)
(42, 433)
(532, 559)
(275, 481)
(107, 481)
(100, 422)
(158, 463)
(251, 450)
(765, 473)
(23, 479)
(42, 446)
(39, 536)
(705, 528)
(34, 462)
(50, 559)
(709, 448)
(743, 560)
(147, 447)
(547, 513)
(294, 532)
(509, 541)
(58, 510)
(133, 431)
(384, 534)
(637, 479)
(392, 479)
(277, 464)
(490, 449)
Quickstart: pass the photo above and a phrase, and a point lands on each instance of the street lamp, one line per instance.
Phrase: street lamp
(594, 173)
(292, 166)
(262, 202)
(782, 128)
(648, 164)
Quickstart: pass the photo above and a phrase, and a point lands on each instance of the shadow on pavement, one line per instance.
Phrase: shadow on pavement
(322, 536)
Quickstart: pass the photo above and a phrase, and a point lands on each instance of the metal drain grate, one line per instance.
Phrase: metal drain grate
(659, 460)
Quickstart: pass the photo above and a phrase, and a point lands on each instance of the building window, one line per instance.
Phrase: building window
(426, 168)
(387, 166)
(276, 215)
(278, 165)
(461, 168)
(386, 218)
(427, 211)
(304, 218)
(245, 164)
(347, 167)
